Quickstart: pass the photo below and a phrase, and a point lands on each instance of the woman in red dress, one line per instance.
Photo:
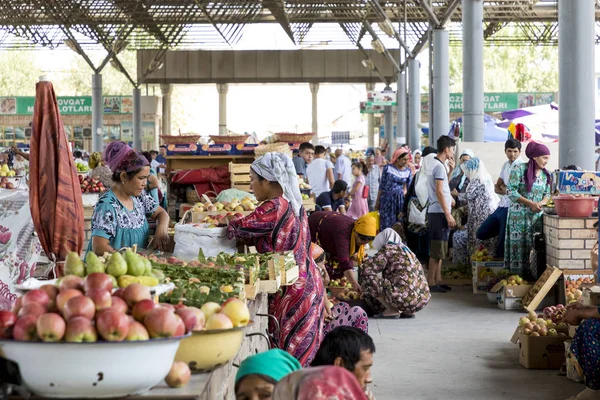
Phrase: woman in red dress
(280, 224)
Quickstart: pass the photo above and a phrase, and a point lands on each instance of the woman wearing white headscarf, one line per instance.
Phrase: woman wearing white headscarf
(280, 224)
(458, 180)
(482, 201)
(393, 282)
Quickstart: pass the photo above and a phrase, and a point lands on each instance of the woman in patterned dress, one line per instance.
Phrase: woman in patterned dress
(586, 346)
(280, 224)
(119, 218)
(395, 181)
(529, 190)
(393, 282)
(482, 201)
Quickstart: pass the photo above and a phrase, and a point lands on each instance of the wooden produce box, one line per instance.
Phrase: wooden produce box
(290, 276)
(542, 287)
(192, 217)
(239, 175)
(273, 284)
(309, 204)
(252, 290)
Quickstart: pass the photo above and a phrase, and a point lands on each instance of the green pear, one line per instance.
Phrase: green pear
(74, 265)
(116, 265)
(147, 267)
(158, 274)
(93, 264)
(135, 266)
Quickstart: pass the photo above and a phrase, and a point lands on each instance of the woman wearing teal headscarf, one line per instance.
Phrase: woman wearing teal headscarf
(259, 373)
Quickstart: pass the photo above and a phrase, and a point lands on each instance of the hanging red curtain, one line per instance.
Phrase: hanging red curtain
(54, 191)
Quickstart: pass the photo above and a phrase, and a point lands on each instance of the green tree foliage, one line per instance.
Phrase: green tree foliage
(511, 69)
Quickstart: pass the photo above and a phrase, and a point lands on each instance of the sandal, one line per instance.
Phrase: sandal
(381, 316)
(407, 316)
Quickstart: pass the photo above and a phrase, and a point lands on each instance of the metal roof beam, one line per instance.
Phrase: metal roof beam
(276, 7)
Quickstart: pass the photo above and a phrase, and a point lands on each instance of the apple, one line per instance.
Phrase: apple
(51, 327)
(552, 332)
(100, 297)
(119, 292)
(218, 321)
(71, 282)
(36, 296)
(179, 328)
(98, 280)
(33, 309)
(16, 306)
(112, 325)
(80, 329)
(79, 306)
(50, 290)
(136, 292)
(534, 334)
(523, 321)
(209, 309)
(162, 322)
(64, 296)
(192, 317)
(179, 375)
(137, 331)
(237, 311)
(25, 329)
(119, 304)
(7, 322)
(168, 306)
(142, 308)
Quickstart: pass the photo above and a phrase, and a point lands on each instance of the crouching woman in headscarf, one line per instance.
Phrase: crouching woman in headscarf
(280, 224)
(393, 282)
(528, 190)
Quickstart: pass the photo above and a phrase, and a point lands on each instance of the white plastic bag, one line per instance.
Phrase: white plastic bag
(416, 216)
(189, 239)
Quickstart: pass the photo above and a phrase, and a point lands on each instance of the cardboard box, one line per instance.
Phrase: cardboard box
(483, 273)
(542, 352)
(591, 296)
(511, 297)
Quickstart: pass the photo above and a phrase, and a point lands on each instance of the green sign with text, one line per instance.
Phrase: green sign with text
(496, 102)
(68, 105)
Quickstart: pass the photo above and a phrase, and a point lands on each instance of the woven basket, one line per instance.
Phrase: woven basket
(229, 139)
(192, 196)
(287, 137)
(261, 150)
(168, 139)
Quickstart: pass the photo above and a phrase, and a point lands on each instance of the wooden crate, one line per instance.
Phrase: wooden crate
(309, 204)
(239, 175)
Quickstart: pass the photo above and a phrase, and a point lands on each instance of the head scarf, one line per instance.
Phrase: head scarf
(366, 226)
(417, 166)
(475, 170)
(278, 167)
(386, 236)
(421, 188)
(319, 383)
(274, 363)
(398, 153)
(119, 157)
(457, 171)
(315, 251)
(533, 150)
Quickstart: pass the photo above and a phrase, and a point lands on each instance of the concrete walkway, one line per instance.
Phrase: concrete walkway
(458, 347)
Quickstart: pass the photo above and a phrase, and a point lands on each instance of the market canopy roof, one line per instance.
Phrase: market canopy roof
(201, 24)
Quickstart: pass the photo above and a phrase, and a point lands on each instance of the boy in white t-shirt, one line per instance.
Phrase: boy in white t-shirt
(495, 224)
(319, 172)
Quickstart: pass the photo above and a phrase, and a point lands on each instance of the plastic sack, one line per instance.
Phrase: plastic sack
(226, 196)
(189, 239)
(574, 371)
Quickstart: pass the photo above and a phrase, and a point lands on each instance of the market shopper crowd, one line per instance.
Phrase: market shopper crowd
(416, 208)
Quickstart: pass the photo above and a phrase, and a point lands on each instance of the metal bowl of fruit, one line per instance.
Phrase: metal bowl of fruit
(206, 350)
(93, 369)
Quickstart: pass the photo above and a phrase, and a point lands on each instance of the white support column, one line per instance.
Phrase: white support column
(166, 109)
(441, 89)
(414, 105)
(222, 88)
(576, 83)
(401, 108)
(137, 119)
(370, 121)
(472, 20)
(314, 90)
(97, 114)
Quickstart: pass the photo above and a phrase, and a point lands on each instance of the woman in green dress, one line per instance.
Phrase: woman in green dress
(529, 190)
(119, 218)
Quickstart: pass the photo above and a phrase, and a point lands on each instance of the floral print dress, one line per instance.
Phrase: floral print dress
(394, 182)
(123, 227)
(464, 242)
(521, 222)
(586, 349)
(395, 274)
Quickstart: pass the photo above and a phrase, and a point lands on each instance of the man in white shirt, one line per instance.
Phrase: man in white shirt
(154, 164)
(495, 224)
(320, 172)
(79, 158)
(343, 167)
